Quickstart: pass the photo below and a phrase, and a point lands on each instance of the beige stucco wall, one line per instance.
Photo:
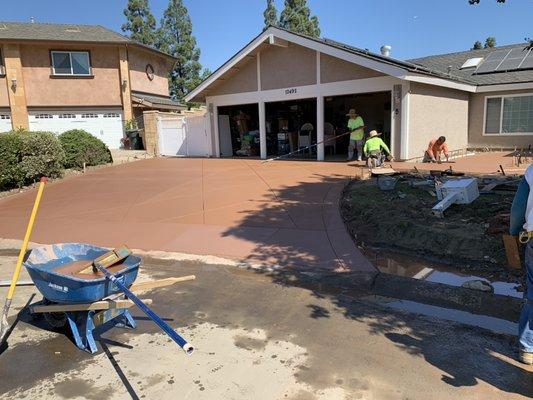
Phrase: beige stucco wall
(476, 119)
(435, 111)
(239, 81)
(4, 98)
(138, 60)
(285, 67)
(333, 69)
(44, 90)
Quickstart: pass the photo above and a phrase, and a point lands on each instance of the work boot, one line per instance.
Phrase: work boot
(359, 158)
(525, 357)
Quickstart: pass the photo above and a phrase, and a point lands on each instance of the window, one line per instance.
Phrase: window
(90, 115)
(111, 115)
(509, 115)
(471, 62)
(4, 116)
(67, 116)
(74, 63)
(43, 116)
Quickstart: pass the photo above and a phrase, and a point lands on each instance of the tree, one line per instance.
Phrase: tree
(271, 14)
(490, 42)
(477, 45)
(175, 38)
(140, 23)
(296, 17)
(474, 2)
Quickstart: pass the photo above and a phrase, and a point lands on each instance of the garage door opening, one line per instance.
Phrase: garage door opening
(374, 108)
(291, 125)
(238, 130)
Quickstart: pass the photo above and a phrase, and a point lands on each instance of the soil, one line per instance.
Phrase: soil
(468, 238)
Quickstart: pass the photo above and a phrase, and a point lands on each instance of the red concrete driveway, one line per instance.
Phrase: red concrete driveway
(282, 213)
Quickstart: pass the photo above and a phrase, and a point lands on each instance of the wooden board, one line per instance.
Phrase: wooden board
(142, 286)
(383, 171)
(80, 270)
(97, 305)
(512, 252)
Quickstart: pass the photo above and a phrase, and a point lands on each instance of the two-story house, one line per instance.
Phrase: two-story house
(56, 77)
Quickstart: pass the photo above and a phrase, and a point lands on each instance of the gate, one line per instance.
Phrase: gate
(182, 135)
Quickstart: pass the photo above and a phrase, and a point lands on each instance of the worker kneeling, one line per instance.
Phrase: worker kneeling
(436, 148)
(374, 148)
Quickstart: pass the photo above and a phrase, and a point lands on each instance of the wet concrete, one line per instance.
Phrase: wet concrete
(256, 339)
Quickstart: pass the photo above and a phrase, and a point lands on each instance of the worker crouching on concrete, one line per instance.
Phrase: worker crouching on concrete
(522, 224)
(374, 148)
(436, 148)
(356, 126)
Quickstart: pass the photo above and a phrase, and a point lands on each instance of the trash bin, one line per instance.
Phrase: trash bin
(135, 139)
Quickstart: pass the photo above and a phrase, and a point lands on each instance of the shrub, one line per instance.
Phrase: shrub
(27, 156)
(82, 147)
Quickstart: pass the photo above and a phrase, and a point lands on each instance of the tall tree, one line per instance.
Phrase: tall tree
(477, 45)
(296, 17)
(271, 14)
(490, 42)
(474, 2)
(175, 38)
(140, 23)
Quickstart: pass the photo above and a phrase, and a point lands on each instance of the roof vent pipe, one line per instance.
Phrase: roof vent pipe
(385, 50)
(32, 20)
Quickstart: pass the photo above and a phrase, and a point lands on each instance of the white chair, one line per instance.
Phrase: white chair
(329, 137)
(304, 136)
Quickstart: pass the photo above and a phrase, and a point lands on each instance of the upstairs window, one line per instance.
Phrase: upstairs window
(71, 63)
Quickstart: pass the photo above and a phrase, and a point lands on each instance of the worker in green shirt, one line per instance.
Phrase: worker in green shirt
(356, 126)
(373, 149)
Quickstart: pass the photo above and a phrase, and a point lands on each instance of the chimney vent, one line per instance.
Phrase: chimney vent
(385, 50)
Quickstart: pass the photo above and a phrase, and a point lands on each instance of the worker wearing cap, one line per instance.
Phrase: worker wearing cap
(374, 146)
(435, 150)
(356, 126)
(522, 224)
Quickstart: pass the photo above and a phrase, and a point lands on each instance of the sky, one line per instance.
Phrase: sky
(414, 28)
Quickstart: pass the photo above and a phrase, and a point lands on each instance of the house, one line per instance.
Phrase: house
(284, 90)
(57, 77)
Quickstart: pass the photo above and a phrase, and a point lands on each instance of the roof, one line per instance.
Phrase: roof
(156, 101)
(455, 60)
(22, 31)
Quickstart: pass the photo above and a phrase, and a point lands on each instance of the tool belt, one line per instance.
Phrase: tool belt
(524, 237)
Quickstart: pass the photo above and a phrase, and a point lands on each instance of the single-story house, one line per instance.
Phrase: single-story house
(56, 77)
(285, 90)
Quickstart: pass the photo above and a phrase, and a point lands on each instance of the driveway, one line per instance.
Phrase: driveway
(283, 213)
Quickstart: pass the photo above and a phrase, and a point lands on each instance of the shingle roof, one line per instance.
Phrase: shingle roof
(456, 60)
(157, 100)
(65, 33)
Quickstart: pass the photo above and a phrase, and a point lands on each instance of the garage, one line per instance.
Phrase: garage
(106, 125)
(5, 122)
(238, 128)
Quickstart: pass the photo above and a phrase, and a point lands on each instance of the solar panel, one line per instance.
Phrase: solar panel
(513, 59)
(528, 61)
(492, 61)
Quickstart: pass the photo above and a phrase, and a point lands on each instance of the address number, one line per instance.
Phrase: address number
(291, 91)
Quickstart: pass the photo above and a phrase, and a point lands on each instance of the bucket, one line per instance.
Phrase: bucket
(387, 182)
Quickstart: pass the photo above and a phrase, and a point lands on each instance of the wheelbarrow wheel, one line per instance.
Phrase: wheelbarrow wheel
(55, 320)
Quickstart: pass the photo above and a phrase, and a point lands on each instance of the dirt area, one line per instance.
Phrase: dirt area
(468, 238)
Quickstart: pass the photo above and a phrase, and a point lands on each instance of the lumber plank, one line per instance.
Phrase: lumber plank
(160, 283)
(97, 305)
(512, 252)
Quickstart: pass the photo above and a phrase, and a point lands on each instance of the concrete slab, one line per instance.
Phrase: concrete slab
(279, 212)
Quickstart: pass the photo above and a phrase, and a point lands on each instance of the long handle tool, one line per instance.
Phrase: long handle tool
(187, 348)
(4, 324)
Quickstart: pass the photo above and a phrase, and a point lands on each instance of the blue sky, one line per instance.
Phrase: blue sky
(413, 28)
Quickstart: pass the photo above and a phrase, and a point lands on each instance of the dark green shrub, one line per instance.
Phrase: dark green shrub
(27, 156)
(82, 147)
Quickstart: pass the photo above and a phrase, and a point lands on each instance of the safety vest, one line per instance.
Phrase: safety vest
(528, 226)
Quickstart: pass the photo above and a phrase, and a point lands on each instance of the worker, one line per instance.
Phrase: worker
(435, 150)
(373, 149)
(522, 224)
(356, 126)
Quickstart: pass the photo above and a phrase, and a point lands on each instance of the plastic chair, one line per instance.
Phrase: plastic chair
(304, 136)
(329, 137)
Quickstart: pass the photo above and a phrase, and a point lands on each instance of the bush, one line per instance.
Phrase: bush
(25, 157)
(82, 147)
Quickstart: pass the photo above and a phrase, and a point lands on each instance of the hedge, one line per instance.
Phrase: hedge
(82, 147)
(25, 157)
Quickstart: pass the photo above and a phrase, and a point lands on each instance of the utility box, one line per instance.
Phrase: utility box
(462, 191)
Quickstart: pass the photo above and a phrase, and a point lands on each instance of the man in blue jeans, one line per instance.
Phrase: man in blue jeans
(522, 223)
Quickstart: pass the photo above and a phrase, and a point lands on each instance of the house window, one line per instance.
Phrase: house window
(75, 63)
(509, 115)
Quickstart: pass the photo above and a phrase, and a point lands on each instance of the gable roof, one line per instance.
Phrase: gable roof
(75, 33)
(455, 60)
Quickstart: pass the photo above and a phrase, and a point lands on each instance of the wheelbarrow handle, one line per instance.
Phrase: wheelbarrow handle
(187, 348)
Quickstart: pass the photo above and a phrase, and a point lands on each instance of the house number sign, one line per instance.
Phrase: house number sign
(291, 91)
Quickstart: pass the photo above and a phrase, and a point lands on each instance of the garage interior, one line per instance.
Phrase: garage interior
(374, 108)
(291, 125)
(238, 129)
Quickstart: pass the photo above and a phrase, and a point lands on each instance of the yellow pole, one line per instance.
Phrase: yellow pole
(22, 252)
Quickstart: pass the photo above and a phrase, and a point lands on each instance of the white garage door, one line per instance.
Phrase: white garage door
(105, 125)
(5, 122)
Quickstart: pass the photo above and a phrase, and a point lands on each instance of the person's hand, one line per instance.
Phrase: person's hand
(433, 160)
